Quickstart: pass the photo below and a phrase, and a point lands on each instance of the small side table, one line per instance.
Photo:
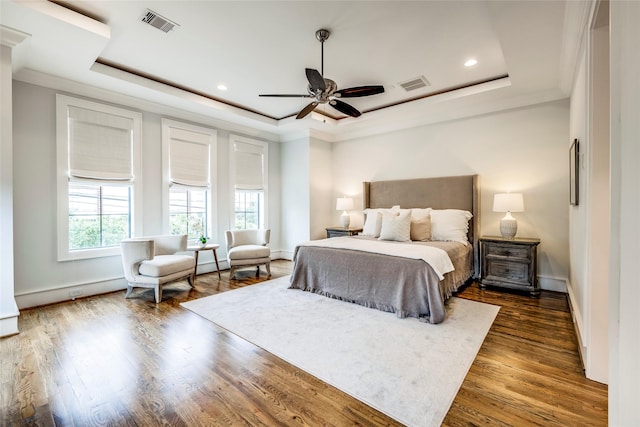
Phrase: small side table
(208, 247)
(341, 231)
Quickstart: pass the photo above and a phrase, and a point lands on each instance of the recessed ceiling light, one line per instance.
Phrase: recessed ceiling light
(222, 87)
(470, 62)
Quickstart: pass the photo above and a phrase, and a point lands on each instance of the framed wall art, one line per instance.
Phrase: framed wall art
(574, 172)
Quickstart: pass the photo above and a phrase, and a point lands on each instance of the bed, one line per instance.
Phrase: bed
(410, 279)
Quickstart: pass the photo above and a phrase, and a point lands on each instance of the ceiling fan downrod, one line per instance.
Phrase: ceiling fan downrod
(322, 35)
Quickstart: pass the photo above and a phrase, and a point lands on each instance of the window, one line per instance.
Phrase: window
(98, 161)
(99, 215)
(249, 177)
(248, 209)
(188, 212)
(188, 161)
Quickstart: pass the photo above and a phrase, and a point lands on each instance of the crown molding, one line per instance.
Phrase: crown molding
(80, 89)
(11, 37)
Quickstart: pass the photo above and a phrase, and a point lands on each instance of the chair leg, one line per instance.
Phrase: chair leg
(268, 267)
(258, 271)
(232, 272)
(129, 290)
(158, 292)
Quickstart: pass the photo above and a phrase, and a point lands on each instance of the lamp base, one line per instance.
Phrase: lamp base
(508, 226)
(345, 220)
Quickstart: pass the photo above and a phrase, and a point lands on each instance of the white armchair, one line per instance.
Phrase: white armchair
(248, 248)
(150, 262)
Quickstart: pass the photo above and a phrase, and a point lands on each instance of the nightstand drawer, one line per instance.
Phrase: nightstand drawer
(339, 231)
(510, 271)
(509, 251)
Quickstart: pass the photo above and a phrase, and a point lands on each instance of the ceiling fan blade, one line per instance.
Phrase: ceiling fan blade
(315, 80)
(345, 108)
(306, 110)
(287, 95)
(354, 92)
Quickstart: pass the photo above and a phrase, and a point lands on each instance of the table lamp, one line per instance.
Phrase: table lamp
(344, 204)
(508, 202)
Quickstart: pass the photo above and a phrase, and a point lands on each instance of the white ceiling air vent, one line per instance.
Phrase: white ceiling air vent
(160, 22)
(415, 83)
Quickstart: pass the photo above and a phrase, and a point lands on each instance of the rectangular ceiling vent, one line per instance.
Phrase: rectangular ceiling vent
(416, 83)
(158, 21)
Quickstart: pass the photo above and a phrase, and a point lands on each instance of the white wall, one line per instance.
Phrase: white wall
(296, 205)
(577, 214)
(274, 213)
(588, 287)
(152, 174)
(323, 204)
(523, 150)
(624, 292)
(39, 277)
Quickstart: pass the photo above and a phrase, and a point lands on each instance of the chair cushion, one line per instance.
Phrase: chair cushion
(162, 265)
(248, 252)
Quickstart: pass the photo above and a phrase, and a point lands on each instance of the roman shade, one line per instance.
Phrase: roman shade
(249, 159)
(100, 145)
(189, 158)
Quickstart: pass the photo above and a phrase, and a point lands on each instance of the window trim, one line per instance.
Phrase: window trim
(167, 124)
(63, 102)
(232, 175)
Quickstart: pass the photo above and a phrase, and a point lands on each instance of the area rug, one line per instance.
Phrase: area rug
(405, 368)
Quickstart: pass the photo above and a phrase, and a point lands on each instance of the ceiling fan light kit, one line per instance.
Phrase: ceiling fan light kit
(325, 91)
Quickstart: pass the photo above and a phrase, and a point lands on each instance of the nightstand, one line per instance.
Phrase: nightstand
(340, 231)
(510, 263)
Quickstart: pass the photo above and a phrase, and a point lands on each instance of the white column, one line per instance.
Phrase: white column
(8, 309)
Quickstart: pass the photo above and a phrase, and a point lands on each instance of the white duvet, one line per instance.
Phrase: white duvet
(437, 258)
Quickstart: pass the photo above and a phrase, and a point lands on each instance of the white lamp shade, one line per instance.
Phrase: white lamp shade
(344, 204)
(508, 202)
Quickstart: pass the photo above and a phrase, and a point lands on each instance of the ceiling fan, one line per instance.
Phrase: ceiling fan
(324, 91)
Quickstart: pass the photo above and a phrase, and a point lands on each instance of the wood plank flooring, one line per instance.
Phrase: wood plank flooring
(105, 360)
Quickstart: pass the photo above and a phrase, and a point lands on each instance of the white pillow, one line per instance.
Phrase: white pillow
(396, 227)
(373, 221)
(450, 225)
(419, 213)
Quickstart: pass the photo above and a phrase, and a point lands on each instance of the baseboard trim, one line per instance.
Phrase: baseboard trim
(552, 284)
(67, 293)
(9, 325)
(577, 324)
(210, 266)
(288, 255)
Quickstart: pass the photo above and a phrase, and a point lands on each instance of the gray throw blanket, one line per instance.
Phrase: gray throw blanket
(407, 287)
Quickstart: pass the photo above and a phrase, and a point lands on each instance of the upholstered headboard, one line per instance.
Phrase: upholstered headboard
(450, 192)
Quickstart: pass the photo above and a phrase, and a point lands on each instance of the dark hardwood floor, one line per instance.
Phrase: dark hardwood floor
(105, 360)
